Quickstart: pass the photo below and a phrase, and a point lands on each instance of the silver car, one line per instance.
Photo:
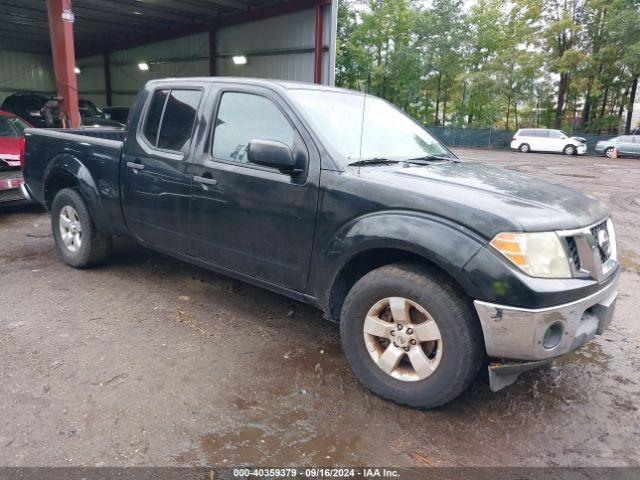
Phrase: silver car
(627, 145)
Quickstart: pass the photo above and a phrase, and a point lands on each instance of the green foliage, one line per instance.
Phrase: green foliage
(509, 63)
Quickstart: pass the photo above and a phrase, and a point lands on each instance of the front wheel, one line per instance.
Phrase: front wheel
(569, 150)
(609, 152)
(80, 244)
(411, 336)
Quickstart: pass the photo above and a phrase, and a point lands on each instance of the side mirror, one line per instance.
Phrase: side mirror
(272, 154)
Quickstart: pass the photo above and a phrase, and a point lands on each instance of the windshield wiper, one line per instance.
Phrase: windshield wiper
(374, 161)
(428, 158)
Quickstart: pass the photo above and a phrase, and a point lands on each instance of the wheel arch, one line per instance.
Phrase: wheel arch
(67, 171)
(436, 245)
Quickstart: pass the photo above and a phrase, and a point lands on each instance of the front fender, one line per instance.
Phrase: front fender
(441, 242)
(72, 169)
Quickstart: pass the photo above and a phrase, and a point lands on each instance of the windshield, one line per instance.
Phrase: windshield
(360, 127)
(12, 127)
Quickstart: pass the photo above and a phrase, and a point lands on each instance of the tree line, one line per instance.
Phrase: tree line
(571, 64)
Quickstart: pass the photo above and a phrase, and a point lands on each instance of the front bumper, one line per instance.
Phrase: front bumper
(581, 149)
(519, 333)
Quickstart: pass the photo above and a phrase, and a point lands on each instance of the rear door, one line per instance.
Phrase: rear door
(249, 218)
(539, 139)
(155, 176)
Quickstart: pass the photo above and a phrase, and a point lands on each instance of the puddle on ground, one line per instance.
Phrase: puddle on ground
(630, 261)
(589, 354)
(289, 419)
(575, 175)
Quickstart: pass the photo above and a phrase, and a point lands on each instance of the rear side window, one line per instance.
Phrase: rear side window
(243, 117)
(154, 115)
(526, 133)
(177, 122)
(170, 119)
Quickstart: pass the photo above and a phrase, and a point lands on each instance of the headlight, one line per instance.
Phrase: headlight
(539, 254)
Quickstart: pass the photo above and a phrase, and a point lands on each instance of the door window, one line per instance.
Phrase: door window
(626, 139)
(556, 134)
(170, 119)
(154, 116)
(243, 117)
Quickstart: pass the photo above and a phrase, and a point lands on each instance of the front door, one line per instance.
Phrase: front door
(155, 173)
(248, 218)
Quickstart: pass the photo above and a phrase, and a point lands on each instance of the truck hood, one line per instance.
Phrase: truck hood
(488, 199)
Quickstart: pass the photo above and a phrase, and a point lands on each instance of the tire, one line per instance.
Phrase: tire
(82, 246)
(569, 150)
(609, 152)
(524, 148)
(455, 358)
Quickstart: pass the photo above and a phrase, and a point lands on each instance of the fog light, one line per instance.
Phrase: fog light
(552, 336)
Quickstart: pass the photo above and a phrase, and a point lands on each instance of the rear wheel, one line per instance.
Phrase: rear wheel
(524, 148)
(78, 241)
(410, 336)
(569, 150)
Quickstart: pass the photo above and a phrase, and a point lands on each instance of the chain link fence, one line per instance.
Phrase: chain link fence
(493, 138)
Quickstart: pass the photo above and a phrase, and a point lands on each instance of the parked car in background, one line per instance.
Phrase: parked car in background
(119, 114)
(92, 116)
(547, 140)
(11, 146)
(30, 106)
(627, 145)
(338, 199)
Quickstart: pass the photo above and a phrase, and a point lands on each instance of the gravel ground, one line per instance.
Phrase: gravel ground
(150, 361)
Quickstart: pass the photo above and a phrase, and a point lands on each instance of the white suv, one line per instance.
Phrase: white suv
(547, 140)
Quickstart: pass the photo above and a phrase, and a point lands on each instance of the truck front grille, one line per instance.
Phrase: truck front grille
(595, 231)
(574, 257)
(592, 250)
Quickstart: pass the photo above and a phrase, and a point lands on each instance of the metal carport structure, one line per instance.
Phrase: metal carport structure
(288, 39)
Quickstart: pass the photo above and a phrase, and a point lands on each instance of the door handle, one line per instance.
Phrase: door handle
(135, 165)
(205, 180)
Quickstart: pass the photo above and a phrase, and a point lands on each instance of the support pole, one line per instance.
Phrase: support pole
(212, 52)
(107, 79)
(317, 71)
(64, 62)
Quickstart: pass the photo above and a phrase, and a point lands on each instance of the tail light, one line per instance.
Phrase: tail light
(514, 139)
(22, 146)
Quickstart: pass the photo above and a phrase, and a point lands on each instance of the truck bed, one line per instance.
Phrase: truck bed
(96, 151)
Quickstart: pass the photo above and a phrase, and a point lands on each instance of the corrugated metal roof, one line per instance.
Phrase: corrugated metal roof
(102, 23)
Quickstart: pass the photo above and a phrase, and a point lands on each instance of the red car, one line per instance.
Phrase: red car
(11, 145)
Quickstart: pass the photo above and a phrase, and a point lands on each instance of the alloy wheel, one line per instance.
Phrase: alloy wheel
(403, 339)
(70, 228)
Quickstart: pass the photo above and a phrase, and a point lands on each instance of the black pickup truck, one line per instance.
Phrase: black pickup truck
(430, 264)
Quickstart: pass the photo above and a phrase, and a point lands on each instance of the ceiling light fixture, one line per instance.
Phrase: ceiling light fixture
(239, 60)
(144, 66)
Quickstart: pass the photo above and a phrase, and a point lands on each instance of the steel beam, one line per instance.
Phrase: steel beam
(107, 79)
(61, 32)
(317, 60)
(212, 51)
